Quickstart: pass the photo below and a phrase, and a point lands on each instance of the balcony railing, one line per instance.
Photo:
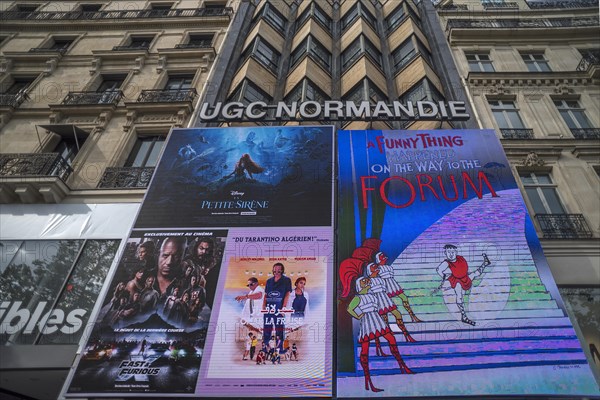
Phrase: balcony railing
(193, 46)
(589, 58)
(505, 5)
(124, 14)
(129, 47)
(30, 165)
(89, 98)
(517, 133)
(523, 23)
(586, 133)
(13, 100)
(454, 7)
(47, 49)
(126, 177)
(563, 4)
(564, 226)
(167, 96)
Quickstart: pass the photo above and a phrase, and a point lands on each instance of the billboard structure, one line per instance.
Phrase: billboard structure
(442, 285)
(225, 283)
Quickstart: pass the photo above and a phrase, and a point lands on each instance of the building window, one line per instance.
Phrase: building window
(140, 42)
(479, 62)
(18, 85)
(317, 13)
(90, 7)
(145, 152)
(365, 90)
(247, 92)
(395, 18)
(110, 87)
(306, 90)
(263, 52)
(200, 40)
(506, 114)
(26, 7)
(179, 82)
(422, 91)
(65, 274)
(61, 44)
(315, 50)
(270, 14)
(359, 10)
(68, 147)
(536, 62)
(541, 192)
(573, 114)
(408, 51)
(356, 49)
(161, 6)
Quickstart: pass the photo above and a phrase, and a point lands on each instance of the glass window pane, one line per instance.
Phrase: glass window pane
(553, 201)
(543, 179)
(536, 201)
(32, 281)
(81, 292)
(515, 120)
(527, 179)
(581, 119)
(154, 153)
(500, 119)
(142, 152)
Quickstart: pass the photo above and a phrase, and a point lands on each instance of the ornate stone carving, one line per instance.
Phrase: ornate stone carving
(162, 64)
(5, 65)
(532, 160)
(96, 63)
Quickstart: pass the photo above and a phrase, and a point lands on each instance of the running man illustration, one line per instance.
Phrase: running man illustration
(455, 270)
(365, 308)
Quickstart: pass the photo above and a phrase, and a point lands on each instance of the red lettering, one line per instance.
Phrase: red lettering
(365, 189)
(427, 185)
(439, 179)
(481, 179)
(387, 201)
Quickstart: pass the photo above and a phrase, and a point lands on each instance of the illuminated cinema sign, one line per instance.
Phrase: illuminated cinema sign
(335, 111)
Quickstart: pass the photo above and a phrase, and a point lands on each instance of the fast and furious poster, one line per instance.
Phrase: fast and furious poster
(443, 289)
(225, 284)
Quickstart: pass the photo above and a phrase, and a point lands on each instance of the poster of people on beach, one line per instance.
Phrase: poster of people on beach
(442, 286)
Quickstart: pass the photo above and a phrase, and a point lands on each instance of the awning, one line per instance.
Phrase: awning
(67, 130)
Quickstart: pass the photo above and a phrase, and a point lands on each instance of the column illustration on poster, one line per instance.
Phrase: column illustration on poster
(442, 285)
(225, 205)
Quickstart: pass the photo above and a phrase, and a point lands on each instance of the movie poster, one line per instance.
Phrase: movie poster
(442, 286)
(149, 336)
(242, 177)
(267, 333)
(229, 211)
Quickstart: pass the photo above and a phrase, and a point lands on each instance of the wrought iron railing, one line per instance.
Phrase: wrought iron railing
(129, 47)
(126, 177)
(124, 14)
(454, 7)
(167, 96)
(48, 49)
(500, 5)
(193, 46)
(564, 226)
(88, 98)
(12, 100)
(586, 133)
(523, 23)
(563, 4)
(28, 165)
(517, 133)
(589, 58)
